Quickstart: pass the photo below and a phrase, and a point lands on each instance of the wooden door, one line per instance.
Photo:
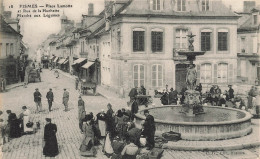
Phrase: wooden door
(180, 76)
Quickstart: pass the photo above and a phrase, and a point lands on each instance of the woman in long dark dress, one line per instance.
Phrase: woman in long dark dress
(15, 129)
(110, 122)
(51, 145)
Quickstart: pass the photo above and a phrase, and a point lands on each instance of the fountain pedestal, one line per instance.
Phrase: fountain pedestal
(192, 103)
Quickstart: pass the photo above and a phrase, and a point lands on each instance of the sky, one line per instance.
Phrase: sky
(36, 30)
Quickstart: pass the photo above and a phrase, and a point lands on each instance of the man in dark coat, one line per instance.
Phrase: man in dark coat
(110, 121)
(51, 145)
(230, 92)
(37, 99)
(134, 109)
(81, 112)
(165, 98)
(50, 98)
(65, 99)
(76, 83)
(173, 96)
(149, 130)
(132, 94)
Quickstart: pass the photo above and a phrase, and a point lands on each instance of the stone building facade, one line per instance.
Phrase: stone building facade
(145, 39)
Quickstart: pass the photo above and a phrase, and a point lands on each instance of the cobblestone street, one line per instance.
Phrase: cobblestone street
(68, 135)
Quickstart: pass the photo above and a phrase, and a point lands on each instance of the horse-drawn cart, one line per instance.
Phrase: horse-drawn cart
(33, 75)
(87, 85)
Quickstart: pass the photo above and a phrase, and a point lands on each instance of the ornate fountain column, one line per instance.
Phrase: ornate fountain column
(192, 103)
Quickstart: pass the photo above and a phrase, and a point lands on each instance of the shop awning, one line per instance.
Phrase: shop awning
(55, 60)
(88, 64)
(79, 60)
(65, 62)
(61, 61)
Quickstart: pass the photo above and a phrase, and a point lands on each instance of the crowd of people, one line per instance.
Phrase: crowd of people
(214, 97)
(121, 136)
(117, 129)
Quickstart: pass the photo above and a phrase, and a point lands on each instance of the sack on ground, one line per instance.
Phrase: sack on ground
(172, 136)
(155, 153)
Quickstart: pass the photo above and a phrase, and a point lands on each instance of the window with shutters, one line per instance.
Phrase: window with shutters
(254, 42)
(11, 49)
(138, 75)
(206, 40)
(181, 5)
(222, 73)
(222, 41)
(206, 73)
(157, 75)
(118, 40)
(243, 44)
(205, 5)
(157, 41)
(181, 41)
(157, 4)
(138, 40)
(98, 51)
(243, 68)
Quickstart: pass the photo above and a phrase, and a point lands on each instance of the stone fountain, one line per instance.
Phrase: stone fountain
(192, 103)
(213, 123)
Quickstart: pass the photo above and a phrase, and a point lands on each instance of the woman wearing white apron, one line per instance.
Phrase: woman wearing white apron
(26, 119)
(101, 117)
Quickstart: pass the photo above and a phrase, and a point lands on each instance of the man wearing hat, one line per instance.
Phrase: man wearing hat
(76, 83)
(230, 92)
(81, 112)
(149, 129)
(50, 97)
(65, 99)
(37, 99)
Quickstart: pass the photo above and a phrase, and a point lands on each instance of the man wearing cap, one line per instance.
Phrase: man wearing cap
(65, 99)
(230, 92)
(50, 98)
(149, 129)
(76, 83)
(37, 99)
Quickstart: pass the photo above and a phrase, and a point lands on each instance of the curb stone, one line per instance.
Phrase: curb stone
(212, 148)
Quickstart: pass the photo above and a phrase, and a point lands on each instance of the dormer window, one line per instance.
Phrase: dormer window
(205, 5)
(156, 4)
(181, 5)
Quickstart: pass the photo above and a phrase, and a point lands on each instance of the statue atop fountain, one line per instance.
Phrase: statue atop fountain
(191, 77)
(192, 103)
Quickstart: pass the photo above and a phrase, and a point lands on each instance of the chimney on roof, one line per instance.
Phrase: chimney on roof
(248, 6)
(90, 9)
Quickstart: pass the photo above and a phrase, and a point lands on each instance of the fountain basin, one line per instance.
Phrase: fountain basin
(217, 123)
